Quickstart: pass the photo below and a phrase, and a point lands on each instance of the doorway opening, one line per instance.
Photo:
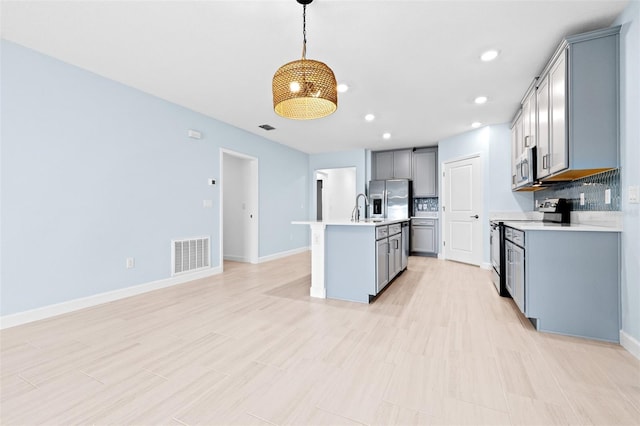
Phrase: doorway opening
(239, 238)
(335, 193)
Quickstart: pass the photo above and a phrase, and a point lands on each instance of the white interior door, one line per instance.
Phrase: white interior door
(462, 210)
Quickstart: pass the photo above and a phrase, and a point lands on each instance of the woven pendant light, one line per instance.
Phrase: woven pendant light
(304, 89)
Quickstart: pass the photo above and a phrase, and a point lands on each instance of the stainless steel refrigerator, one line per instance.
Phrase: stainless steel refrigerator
(390, 199)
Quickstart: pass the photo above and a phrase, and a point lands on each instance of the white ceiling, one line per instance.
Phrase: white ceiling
(414, 64)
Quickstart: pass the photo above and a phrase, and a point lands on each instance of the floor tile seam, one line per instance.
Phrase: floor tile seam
(502, 381)
(563, 391)
(418, 410)
(29, 382)
(249, 413)
(333, 412)
(179, 421)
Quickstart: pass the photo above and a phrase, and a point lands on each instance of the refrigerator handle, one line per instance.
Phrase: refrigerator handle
(386, 206)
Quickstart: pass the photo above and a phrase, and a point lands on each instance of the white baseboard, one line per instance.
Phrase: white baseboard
(98, 299)
(486, 266)
(283, 254)
(320, 293)
(630, 344)
(236, 258)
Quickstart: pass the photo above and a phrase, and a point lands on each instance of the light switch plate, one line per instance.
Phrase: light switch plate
(207, 203)
(634, 194)
(607, 196)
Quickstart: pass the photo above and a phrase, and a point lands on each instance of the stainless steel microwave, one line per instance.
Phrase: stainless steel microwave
(526, 168)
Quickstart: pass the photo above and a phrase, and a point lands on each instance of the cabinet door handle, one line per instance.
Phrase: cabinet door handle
(474, 216)
(526, 141)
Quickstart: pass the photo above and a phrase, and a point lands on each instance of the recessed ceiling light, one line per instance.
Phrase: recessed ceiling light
(386, 136)
(369, 117)
(342, 88)
(476, 124)
(489, 55)
(480, 99)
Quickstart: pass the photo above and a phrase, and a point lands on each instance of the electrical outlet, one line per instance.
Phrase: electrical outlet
(607, 196)
(582, 198)
(130, 262)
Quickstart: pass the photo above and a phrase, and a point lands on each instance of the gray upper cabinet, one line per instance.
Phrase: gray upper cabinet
(577, 105)
(516, 146)
(425, 173)
(402, 164)
(391, 164)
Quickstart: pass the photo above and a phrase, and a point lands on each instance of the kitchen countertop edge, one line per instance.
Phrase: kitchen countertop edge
(348, 222)
(574, 227)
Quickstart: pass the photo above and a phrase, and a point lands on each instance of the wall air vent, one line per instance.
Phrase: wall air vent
(267, 127)
(190, 255)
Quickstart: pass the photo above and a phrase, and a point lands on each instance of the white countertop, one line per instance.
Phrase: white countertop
(546, 226)
(363, 222)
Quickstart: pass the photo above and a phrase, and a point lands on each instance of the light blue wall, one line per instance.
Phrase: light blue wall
(94, 172)
(500, 196)
(630, 171)
(493, 143)
(333, 160)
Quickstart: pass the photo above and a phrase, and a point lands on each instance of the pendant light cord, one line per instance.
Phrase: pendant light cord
(304, 31)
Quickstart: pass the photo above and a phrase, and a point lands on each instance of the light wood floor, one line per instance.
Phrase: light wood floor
(250, 347)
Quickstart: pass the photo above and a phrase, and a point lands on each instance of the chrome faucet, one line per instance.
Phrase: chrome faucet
(355, 214)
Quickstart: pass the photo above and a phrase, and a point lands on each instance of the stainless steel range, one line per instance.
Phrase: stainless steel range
(496, 240)
(555, 211)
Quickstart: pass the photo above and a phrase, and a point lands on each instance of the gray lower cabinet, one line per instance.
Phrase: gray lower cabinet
(395, 255)
(515, 279)
(382, 264)
(568, 282)
(360, 261)
(424, 236)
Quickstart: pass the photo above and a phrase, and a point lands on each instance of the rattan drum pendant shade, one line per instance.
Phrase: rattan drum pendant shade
(304, 89)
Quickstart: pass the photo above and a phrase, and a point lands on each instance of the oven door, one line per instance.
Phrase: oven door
(494, 240)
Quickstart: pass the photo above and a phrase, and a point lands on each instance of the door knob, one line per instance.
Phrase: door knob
(475, 216)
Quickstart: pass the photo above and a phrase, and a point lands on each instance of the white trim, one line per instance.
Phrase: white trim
(486, 265)
(98, 299)
(283, 254)
(237, 259)
(320, 293)
(630, 344)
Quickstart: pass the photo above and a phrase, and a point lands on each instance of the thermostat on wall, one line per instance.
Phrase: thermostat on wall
(194, 134)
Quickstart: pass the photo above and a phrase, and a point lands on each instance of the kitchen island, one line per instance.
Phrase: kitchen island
(355, 261)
